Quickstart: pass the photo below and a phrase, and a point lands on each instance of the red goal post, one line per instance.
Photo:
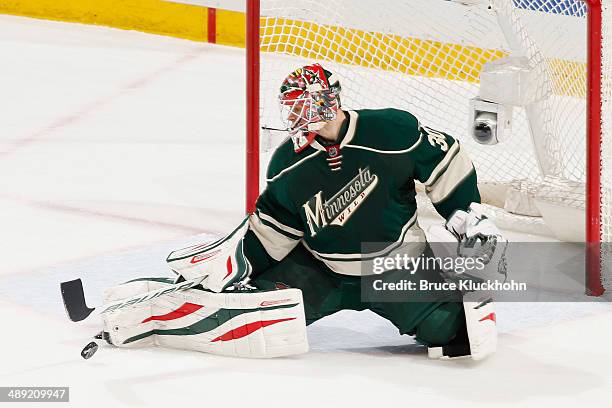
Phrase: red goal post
(594, 118)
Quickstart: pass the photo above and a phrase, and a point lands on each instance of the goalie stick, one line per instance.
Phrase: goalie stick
(77, 309)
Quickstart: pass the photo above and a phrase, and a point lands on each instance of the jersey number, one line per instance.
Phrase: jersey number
(436, 138)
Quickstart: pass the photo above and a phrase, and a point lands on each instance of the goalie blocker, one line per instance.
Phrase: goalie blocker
(248, 323)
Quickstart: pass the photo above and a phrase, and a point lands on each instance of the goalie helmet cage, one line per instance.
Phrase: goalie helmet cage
(427, 56)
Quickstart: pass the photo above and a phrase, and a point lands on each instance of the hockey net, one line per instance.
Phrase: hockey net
(428, 57)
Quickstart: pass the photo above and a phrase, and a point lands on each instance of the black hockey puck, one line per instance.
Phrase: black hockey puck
(89, 350)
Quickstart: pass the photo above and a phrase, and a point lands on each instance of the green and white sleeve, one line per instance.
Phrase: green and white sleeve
(446, 171)
(273, 231)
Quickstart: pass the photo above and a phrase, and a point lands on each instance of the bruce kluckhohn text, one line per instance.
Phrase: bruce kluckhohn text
(464, 286)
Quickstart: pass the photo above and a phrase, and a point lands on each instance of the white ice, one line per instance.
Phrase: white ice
(118, 146)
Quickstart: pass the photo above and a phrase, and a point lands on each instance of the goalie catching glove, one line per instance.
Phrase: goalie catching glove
(471, 235)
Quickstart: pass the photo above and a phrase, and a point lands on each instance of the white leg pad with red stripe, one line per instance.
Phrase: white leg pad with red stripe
(481, 332)
(481, 327)
(241, 324)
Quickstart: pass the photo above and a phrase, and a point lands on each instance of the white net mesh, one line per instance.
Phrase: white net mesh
(426, 56)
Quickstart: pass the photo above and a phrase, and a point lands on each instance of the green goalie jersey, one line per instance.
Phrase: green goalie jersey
(339, 199)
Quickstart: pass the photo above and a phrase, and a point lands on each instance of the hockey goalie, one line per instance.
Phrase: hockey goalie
(343, 178)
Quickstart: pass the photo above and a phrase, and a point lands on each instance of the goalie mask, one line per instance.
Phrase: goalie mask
(309, 98)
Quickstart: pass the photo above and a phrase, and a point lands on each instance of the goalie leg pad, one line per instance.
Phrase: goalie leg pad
(242, 324)
(480, 337)
(481, 323)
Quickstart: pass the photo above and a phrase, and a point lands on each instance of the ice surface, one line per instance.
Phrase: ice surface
(117, 147)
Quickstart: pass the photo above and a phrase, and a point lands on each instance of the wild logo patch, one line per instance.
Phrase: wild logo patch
(339, 208)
